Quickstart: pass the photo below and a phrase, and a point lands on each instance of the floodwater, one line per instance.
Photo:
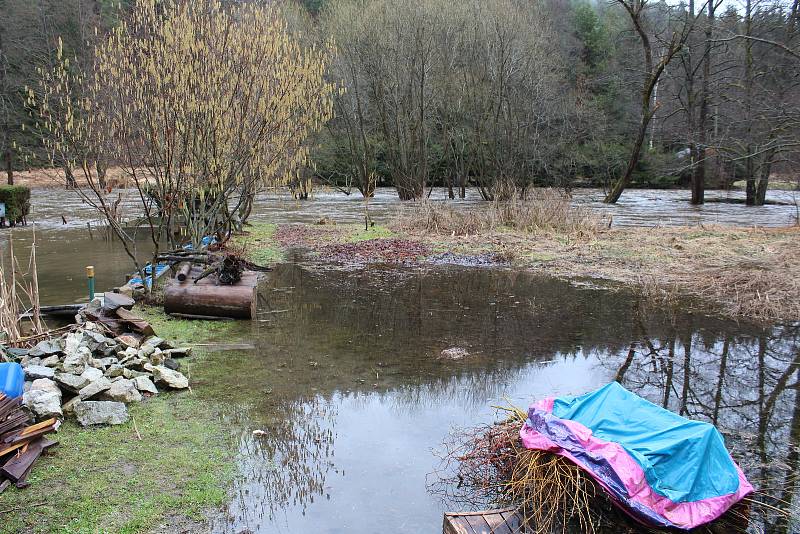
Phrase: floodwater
(346, 382)
(70, 235)
(344, 376)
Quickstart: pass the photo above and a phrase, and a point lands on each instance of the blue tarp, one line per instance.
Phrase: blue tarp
(683, 460)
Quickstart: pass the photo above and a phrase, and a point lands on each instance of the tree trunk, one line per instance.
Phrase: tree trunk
(9, 167)
(71, 183)
(749, 170)
(653, 73)
(763, 179)
(699, 171)
(633, 160)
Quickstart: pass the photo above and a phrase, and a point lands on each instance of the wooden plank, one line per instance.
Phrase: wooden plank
(33, 428)
(497, 524)
(138, 324)
(513, 520)
(478, 524)
(503, 521)
(15, 468)
(455, 525)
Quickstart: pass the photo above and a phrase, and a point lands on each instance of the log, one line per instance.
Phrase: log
(207, 298)
(183, 272)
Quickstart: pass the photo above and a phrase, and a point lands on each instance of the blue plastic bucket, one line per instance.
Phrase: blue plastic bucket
(12, 379)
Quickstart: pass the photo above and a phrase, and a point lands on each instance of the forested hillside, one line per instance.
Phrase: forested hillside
(503, 95)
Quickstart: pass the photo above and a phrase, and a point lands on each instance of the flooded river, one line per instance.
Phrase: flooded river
(345, 378)
(69, 234)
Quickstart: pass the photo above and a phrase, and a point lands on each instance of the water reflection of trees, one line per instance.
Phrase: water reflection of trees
(375, 334)
(288, 465)
(744, 384)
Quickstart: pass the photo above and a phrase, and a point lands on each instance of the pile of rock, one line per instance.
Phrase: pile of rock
(94, 377)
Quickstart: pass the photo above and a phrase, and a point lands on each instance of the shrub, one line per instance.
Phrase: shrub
(17, 199)
(534, 211)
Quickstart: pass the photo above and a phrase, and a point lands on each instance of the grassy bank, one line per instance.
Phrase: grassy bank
(109, 480)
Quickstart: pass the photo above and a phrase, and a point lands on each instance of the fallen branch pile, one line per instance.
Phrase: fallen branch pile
(21, 444)
(227, 267)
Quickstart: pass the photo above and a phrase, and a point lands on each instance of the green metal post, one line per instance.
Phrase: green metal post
(90, 277)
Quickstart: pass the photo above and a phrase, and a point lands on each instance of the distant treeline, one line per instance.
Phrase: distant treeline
(504, 95)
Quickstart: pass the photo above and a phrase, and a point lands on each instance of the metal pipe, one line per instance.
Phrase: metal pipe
(90, 279)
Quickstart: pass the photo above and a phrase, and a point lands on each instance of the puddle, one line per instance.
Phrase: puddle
(349, 388)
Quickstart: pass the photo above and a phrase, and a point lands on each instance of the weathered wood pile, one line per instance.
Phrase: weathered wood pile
(227, 267)
(21, 444)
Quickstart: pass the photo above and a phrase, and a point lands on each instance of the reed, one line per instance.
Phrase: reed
(19, 294)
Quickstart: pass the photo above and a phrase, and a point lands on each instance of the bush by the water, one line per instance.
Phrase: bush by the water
(539, 210)
(17, 199)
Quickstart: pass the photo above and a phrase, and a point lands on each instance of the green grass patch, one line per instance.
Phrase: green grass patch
(260, 245)
(107, 480)
(374, 232)
(182, 331)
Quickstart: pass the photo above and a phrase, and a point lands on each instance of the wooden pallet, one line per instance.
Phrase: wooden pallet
(504, 521)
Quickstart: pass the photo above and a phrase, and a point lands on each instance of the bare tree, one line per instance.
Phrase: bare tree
(654, 65)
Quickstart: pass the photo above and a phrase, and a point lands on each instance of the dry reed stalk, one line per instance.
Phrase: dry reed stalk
(17, 293)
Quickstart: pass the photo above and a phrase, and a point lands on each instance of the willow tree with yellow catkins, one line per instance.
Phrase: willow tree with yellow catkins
(207, 104)
(201, 104)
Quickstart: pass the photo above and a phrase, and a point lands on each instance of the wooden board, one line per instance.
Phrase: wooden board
(505, 521)
(207, 298)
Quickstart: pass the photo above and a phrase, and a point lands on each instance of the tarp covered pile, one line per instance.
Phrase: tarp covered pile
(659, 467)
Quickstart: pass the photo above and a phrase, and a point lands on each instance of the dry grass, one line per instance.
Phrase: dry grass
(50, 177)
(537, 211)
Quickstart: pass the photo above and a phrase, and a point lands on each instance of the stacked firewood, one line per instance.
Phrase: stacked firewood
(21, 444)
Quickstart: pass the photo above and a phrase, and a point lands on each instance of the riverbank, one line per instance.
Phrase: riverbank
(167, 469)
(741, 273)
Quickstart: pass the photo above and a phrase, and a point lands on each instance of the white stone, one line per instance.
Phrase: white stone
(145, 385)
(123, 390)
(100, 413)
(39, 371)
(95, 388)
(173, 379)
